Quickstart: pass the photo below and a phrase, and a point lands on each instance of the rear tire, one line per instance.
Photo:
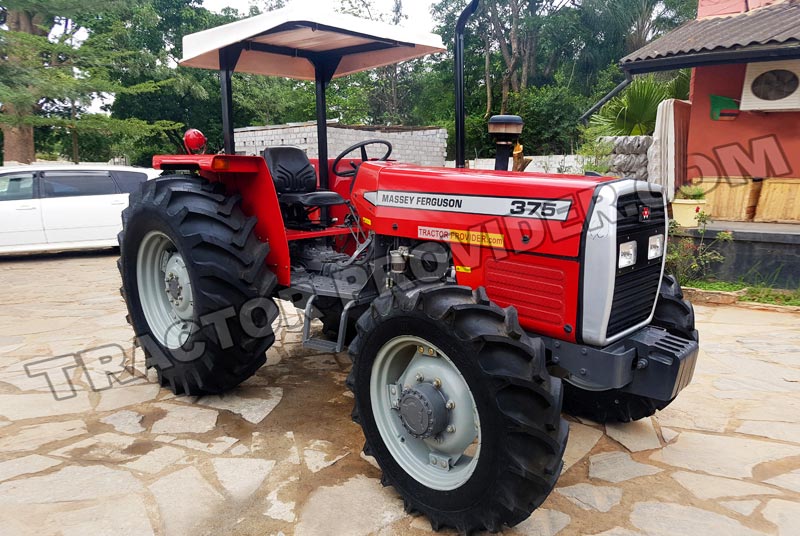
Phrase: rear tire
(480, 356)
(674, 314)
(190, 227)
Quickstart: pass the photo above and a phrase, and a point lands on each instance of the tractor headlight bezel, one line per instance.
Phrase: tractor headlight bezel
(655, 247)
(627, 254)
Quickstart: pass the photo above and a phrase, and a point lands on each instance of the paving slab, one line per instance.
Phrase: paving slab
(618, 467)
(667, 519)
(714, 487)
(280, 455)
(26, 465)
(186, 501)
(543, 522)
(340, 509)
(790, 481)
(785, 515)
(185, 420)
(721, 455)
(589, 497)
(634, 436)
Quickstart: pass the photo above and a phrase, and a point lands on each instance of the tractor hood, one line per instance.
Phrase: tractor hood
(410, 201)
(284, 43)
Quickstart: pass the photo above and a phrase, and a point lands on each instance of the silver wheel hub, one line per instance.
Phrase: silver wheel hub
(165, 290)
(178, 287)
(425, 413)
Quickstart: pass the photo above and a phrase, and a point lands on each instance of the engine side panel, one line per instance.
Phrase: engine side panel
(530, 260)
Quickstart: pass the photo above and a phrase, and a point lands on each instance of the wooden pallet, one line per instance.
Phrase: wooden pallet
(779, 201)
(731, 198)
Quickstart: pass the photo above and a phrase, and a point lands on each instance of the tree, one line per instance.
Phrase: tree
(634, 112)
(52, 74)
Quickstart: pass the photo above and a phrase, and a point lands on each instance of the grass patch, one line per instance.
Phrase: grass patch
(755, 293)
(772, 296)
(725, 286)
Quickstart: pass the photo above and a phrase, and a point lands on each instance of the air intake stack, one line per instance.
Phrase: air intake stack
(505, 130)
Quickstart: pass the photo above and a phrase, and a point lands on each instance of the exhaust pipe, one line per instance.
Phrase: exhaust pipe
(461, 112)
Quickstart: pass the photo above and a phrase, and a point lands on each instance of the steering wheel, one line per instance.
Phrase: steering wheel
(364, 158)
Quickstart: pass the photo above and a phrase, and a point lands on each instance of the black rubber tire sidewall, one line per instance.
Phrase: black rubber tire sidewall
(202, 365)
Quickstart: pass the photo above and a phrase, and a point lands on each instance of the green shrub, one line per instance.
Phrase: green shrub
(691, 192)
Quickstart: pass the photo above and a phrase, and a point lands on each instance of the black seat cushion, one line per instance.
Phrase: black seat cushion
(320, 198)
(296, 180)
(291, 170)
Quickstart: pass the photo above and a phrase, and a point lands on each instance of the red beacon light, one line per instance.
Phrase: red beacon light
(194, 141)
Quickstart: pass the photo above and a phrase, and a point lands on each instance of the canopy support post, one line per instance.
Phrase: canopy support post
(324, 69)
(228, 58)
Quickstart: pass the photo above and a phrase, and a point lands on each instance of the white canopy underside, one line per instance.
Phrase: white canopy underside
(274, 43)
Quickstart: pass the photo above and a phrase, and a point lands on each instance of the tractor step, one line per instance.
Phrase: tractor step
(322, 344)
(328, 286)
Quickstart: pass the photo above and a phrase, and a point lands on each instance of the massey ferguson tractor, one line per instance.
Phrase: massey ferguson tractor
(474, 303)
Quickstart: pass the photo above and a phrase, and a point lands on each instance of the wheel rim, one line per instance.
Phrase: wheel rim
(165, 290)
(410, 378)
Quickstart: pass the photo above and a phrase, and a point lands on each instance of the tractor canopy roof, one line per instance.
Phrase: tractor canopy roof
(289, 42)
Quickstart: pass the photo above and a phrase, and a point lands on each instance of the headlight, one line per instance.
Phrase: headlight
(655, 247)
(627, 254)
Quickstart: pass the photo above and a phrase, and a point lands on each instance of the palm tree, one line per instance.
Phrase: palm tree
(634, 112)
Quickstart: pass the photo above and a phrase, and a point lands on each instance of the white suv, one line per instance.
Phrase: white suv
(63, 207)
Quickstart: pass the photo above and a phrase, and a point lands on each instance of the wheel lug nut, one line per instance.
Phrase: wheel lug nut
(420, 378)
(434, 461)
(450, 404)
(437, 383)
(451, 429)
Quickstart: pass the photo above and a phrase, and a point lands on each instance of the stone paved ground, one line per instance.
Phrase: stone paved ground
(280, 454)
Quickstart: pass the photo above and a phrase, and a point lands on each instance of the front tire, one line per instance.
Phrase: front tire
(472, 394)
(196, 284)
(672, 313)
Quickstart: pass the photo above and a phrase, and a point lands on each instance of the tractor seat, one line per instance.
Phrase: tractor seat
(296, 180)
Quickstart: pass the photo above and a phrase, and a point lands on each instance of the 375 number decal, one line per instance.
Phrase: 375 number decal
(543, 209)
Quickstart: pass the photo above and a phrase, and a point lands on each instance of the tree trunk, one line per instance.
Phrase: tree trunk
(18, 143)
(506, 89)
(75, 155)
(18, 138)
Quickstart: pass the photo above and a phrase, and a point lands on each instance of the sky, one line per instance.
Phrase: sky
(418, 11)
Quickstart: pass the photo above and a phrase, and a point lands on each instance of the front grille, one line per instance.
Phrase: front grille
(628, 211)
(634, 295)
(636, 288)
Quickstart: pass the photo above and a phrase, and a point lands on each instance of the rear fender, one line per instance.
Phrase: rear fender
(248, 176)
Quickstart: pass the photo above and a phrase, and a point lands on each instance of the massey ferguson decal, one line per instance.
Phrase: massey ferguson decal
(539, 209)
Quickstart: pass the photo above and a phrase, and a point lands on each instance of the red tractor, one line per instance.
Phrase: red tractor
(478, 300)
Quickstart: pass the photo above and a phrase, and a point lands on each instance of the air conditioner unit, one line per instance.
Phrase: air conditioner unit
(772, 86)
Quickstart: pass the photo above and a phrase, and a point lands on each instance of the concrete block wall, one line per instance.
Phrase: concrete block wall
(424, 146)
(562, 164)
